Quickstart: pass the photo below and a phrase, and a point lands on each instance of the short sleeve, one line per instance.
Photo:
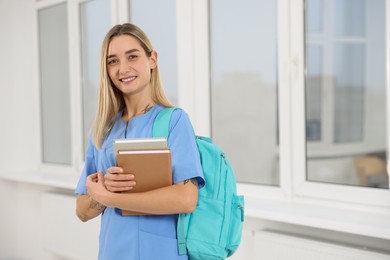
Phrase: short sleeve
(89, 168)
(185, 156)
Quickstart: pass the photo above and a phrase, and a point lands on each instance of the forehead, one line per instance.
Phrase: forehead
(122, 43)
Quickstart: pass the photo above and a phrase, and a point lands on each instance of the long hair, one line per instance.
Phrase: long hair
(111, 100)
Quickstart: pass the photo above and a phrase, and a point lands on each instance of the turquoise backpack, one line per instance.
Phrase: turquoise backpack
(213, 231)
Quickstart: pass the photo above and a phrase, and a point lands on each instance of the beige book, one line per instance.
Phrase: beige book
(152, 169)
(128, 144)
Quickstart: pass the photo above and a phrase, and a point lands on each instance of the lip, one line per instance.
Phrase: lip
(127, 79)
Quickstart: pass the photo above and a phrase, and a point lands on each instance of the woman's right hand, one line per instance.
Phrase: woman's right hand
(116, 181)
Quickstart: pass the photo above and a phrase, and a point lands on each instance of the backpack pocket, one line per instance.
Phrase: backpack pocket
(206, 221)
(236, 223)
(204, 231)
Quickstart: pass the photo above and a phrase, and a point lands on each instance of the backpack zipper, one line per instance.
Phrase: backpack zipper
(224, 157)
(241, 207)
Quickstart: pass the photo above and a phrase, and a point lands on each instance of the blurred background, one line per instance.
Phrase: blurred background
(295, 92)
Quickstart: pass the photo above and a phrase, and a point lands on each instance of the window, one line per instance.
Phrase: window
(70, 35)
(298, 97)
(94, 24)
(346, 92)
(158, 20)
(295, 94)
(244, 87)
(54, 85)
(70, 38)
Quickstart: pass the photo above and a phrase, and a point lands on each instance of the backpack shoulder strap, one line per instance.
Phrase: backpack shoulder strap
(181, 233)
(162, 121)
(161, 129)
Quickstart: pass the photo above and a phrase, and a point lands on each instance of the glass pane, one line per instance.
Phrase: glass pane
(95, 23)
(315, 15)
(349, 17)
(349, 76)
(349, 71)
(314, 79)
(244, 87)
(54, 84)
(158, 20)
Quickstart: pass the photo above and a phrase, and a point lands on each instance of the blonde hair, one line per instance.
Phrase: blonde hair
(110, 98)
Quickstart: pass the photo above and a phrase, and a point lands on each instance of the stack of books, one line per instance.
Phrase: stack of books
(148, 159)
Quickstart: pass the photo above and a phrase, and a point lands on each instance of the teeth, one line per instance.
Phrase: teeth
(128, 79)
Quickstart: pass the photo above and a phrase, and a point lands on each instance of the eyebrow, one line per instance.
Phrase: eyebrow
(126, 52)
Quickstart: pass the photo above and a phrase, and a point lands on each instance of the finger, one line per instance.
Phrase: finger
(100, 175)
(120, 185)
(92, 177)
(119, 177)
(120, 189)
(114, 170)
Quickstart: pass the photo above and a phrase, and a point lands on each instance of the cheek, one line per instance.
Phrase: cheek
(112, 78)
(111, 73)
(147, 70)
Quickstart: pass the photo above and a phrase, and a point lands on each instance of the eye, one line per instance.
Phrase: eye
(112, 61)
(133, 57)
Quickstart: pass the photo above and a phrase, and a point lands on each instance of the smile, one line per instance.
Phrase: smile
(126, 80)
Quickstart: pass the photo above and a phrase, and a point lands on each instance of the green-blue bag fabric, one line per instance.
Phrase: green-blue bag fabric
(213, 231)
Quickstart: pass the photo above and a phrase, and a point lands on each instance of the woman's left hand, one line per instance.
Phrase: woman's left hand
(95, 186)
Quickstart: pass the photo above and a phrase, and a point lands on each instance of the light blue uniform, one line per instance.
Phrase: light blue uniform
(143, 237)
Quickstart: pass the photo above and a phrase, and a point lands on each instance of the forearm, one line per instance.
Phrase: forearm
(87, 208)
(178, 198)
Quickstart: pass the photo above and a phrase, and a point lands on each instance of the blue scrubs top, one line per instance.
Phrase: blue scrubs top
(147, 237)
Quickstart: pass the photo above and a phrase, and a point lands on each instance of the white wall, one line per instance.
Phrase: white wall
(17, 73)
(7, 225)
(20, 218)
(21, 235)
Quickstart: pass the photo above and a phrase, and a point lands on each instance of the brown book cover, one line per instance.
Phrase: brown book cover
(152, 169)
(128, 144)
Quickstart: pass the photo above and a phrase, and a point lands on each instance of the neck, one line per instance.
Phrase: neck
(137, 104)
(133, 111)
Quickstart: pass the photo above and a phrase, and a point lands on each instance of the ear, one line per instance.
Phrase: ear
(153, 60)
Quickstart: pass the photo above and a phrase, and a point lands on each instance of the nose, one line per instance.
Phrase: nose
(124, 68)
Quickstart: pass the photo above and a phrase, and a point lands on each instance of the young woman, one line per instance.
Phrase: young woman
(130, 97)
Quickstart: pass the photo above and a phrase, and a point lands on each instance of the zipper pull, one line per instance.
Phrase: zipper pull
(241, 207)
(224, 157)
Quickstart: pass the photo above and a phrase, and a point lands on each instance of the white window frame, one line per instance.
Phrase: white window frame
(193, 63)
(194, 96)
(119, 14)
(194, 84)
(326, 145)
(346, 196)
(48, 167)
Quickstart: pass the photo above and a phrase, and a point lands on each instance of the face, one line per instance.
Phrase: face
(128, 65)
